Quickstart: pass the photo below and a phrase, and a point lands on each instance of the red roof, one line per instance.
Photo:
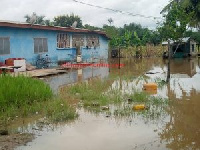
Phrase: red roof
(52, 28)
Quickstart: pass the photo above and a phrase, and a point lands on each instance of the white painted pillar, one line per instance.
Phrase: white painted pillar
(70, 37)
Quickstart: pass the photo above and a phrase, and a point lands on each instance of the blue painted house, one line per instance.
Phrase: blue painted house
(23, 40)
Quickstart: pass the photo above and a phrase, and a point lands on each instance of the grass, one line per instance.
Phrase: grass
(59, 111)
(20, 91)
(155, 106)
(161, 83)
(93, 95)
(24, 96)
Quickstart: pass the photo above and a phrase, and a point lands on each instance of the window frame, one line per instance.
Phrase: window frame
(3, 49)
(42, 43)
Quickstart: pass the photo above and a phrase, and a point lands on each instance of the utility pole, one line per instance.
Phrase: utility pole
(168, 65)
(119, 58)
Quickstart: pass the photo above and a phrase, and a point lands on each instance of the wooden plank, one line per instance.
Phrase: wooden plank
(41, 72)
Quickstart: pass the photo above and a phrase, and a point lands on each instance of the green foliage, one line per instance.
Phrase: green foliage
(59, 110)
(23, 96)
(111, 31)
(21, 90)
(92, 28)
(67, 20)
(176, 22)
(154, 106)
(39, 19)
(63, 20)
(190, 7)
(193, 35)
(95, 93)
(136, 39)
(131, 35)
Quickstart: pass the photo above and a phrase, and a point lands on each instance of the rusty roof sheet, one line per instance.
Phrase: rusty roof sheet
(51, 28)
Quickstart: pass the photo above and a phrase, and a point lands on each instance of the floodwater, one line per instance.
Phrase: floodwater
(175, 127)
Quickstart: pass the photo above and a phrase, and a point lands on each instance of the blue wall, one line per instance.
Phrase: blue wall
(95, 54)
(22, 45)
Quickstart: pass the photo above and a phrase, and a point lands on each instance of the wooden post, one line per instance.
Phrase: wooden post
(119, 58)
(168, 65)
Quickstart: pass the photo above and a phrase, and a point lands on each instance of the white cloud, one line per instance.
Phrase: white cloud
(15, 10)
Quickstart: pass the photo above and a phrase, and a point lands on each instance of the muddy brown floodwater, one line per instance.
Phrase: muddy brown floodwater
(175, 127)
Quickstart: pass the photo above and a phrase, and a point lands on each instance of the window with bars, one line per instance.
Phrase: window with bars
(40, 45)
(63, 40)
(4, 45)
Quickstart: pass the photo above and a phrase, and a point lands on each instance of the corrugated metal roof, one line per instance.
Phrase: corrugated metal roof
(184, 40)
(52, 28)
(166, 42)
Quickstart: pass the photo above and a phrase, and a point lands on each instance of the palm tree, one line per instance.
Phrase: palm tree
(110, 20)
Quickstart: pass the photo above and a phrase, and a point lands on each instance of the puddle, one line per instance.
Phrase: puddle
(175, 126)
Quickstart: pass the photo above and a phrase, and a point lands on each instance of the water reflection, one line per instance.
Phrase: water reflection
(57, 82)
(185, 78)
(182, 131)
(172, 126)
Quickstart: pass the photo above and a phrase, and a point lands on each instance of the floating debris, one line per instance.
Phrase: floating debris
(95, 104)
(150, 86)
(104, 107)
(130, 100)
(3, 132)
(139, 107)
(152, 72)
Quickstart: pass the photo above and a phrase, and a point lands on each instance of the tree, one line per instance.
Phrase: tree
(37, 20)
(67, 20)
(193, 6)
(190, 6)
(176, 22)
(174, 27)
(113, 33)
(89, 27)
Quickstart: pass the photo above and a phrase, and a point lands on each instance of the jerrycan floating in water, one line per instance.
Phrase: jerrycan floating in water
(139, 107)
(150, 86)
(151, 92)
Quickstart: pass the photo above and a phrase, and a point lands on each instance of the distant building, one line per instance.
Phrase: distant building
(186, 48)
(23, 40)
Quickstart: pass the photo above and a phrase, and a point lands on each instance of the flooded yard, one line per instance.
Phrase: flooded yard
(171, 120)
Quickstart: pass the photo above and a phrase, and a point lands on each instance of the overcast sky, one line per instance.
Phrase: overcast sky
(15, 10)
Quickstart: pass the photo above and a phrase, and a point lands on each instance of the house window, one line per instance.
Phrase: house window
(4, 45)
(192, 47)
(63, 40)
(40, 45)
(77, 40)
(92, 40)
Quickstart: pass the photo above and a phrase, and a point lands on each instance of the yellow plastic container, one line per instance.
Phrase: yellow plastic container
(151, 92)
(150, 86)
(139, 107)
